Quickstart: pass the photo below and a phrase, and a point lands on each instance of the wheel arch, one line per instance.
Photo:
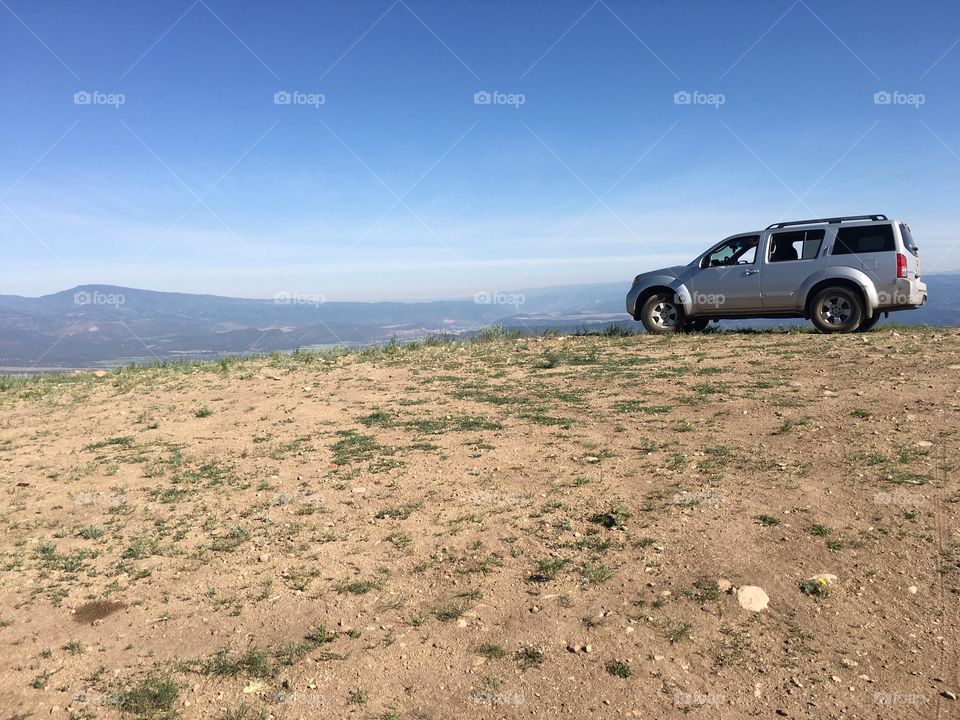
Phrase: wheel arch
(849, 283)
(679, 292)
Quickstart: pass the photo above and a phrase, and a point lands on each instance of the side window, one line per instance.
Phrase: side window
(738, 251)
(864, 239)
(795, 245)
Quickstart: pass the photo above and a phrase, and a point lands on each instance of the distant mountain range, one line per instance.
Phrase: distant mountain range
(93, 325)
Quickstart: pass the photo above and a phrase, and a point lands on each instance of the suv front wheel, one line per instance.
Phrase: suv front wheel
(836, 310)
(662, 314)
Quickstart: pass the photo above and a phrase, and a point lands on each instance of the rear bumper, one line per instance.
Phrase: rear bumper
(903, 295)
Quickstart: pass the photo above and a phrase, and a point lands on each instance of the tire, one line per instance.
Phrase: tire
(661, 314)
(696, 325)
(866, 325)
(836, 310)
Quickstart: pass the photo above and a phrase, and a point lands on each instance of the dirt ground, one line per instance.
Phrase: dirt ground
(550, 527)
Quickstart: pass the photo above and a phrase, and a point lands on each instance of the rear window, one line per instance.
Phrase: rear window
(864, 239)
(795, 245)
(908, 242)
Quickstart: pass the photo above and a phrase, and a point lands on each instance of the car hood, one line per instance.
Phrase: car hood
(674, 272)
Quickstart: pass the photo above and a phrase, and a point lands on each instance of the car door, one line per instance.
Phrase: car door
(790, 257)
(728, 279)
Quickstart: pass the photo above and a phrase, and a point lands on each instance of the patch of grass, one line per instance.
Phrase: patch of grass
(234, 538)
(74, 647)
(862, 414)
(679, 632)
(203, 412)
(615, 517)
(359, 696)
(357, 587)
(153, 696)
(354, 447)
(767, 520)
(399, 540)
(378, 418)
(123, 442)
(90, 533)
(619, 669)
(401, 512)
(791, 423)
(320, 635)
(819, 530)
(529, 657)
(492, 651)
(816, 588)
(450, 611)
(595, 572)
(549, 569)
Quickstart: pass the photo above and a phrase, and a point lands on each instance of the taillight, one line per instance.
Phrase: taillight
(901, 265)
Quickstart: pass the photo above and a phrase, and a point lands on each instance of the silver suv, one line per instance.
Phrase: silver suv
(842, 273)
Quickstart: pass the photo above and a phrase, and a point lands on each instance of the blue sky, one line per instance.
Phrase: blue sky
(384, 178)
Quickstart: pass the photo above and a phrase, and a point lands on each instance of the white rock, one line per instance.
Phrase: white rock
(752, 598)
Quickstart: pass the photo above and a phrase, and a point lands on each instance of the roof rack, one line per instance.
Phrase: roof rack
(833, 220)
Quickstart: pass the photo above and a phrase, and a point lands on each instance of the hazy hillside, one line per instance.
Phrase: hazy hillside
(98, 324)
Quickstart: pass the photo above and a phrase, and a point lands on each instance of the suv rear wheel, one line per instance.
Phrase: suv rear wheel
(661, 314)
(867, 323)
(696, 325)
(836, 310)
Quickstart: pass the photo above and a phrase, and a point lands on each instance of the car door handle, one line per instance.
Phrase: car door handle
(750, 272)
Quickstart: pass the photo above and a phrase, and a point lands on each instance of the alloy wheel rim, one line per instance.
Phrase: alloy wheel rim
(835, 310)
(665, 315)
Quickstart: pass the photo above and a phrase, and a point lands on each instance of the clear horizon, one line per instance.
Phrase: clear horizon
(407, 149)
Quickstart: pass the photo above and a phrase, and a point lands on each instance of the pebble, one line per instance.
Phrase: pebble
(724, 585)
(912, 589)
(949, 695)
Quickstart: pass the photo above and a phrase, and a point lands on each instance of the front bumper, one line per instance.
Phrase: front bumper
(632, 298)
